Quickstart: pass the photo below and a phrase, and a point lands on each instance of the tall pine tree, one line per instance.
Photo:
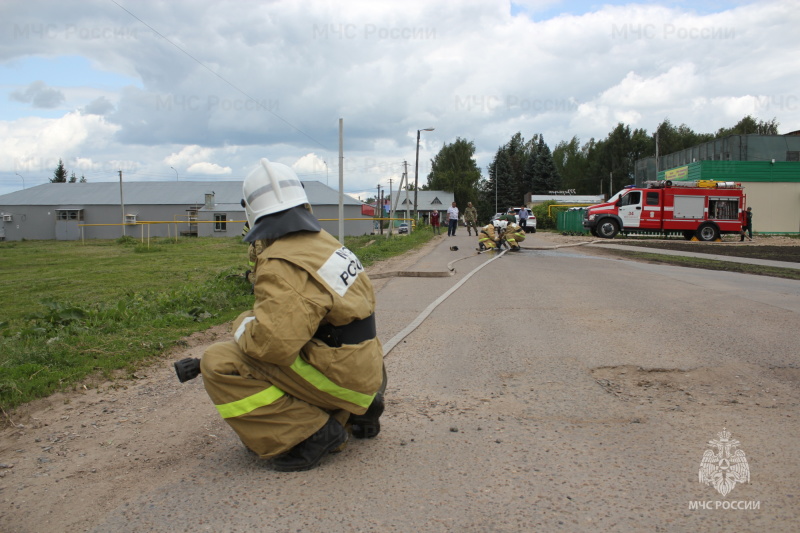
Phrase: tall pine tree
(545, 176)
(60, 174)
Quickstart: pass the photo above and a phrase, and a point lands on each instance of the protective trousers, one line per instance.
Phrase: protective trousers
(251, 400)
(514, 239)
(486, 238)
(485, 242)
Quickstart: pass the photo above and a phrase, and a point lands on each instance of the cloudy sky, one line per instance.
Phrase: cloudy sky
(199, 90)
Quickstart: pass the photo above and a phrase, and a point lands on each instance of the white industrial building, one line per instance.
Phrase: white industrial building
(71, 211)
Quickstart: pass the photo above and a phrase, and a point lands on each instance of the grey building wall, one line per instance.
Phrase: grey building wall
(32, 222)
(235, 220)
(33, 213)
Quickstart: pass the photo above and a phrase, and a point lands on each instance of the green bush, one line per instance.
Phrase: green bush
(543, 219)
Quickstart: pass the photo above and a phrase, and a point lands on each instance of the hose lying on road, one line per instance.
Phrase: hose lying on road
(387, 347)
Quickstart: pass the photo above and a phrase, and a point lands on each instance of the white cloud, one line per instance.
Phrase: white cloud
(635, 91)
(275, 83)
(188, 156)
(33, 144)
(212, 169)
(310, 164)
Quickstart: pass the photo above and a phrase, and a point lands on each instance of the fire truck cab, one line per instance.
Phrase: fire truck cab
(701, 210)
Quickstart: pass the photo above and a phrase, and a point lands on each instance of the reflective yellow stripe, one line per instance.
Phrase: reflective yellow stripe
(318, 380)
(251, 403)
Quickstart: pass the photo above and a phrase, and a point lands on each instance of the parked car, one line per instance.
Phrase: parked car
(402, 228)
(530, 226)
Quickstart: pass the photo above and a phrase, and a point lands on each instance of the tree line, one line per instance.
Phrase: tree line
(60, 175)
(528, 166)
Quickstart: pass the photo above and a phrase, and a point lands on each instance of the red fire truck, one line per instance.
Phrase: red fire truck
(701, 210)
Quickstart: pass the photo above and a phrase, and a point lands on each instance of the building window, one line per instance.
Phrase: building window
(220, 222)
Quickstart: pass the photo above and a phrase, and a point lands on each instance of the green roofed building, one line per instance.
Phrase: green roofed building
(772, 189)
(767, 166)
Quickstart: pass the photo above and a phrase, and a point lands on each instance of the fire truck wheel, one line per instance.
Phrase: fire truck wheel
(608, 228)
(707, 232)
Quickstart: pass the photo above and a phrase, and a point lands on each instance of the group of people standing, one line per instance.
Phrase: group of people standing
(470, 219)
(503, 231)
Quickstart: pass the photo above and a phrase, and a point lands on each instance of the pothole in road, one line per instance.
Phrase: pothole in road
(677, 390)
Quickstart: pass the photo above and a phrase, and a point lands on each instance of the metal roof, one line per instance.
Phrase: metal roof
(426, 200)
(154, 193)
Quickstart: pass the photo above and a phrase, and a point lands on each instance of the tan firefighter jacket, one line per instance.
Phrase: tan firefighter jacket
(514, 231)
(305, 279)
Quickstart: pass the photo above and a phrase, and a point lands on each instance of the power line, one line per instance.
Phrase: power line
(234, 87)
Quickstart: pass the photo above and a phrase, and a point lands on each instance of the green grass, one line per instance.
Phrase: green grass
(711, 264)
(75, 312)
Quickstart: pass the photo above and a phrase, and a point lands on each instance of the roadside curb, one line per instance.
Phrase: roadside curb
(727, 258)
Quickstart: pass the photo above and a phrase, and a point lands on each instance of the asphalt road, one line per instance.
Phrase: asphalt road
(552, 391)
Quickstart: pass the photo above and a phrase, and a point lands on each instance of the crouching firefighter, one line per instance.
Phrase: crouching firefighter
(513, 234)
(305, 363)
(487, 238)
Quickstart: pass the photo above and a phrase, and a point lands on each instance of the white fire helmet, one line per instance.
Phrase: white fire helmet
(271, 188)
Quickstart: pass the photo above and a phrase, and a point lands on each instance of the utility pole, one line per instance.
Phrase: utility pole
(405, 175)
(391, 211)
(121, 203)
(378, 210)
(341, 181)
(381, 212)
(656, 155)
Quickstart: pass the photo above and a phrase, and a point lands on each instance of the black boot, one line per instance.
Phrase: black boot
(310, 452)
(368, 425)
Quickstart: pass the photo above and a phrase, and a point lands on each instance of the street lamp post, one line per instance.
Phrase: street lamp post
(176, 173)
(23, 179)
(416, 172)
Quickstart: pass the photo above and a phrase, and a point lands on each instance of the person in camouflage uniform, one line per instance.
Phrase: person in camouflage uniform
(471, 219)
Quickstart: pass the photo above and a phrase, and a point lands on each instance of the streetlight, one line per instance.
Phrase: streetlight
(416, 171)
(23, 179)
(176, 173)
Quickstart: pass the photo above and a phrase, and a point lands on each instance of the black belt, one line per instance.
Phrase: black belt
(355, 332)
